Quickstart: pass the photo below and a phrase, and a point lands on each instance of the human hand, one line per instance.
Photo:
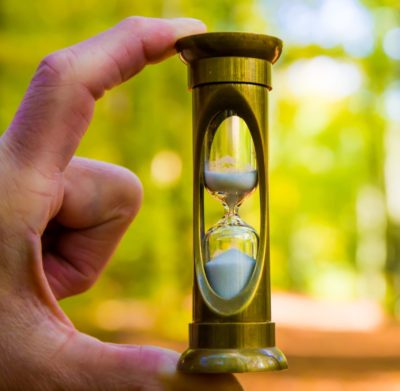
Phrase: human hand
(61, 218)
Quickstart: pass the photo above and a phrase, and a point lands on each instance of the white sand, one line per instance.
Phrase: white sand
(229, 181)
(229, 272)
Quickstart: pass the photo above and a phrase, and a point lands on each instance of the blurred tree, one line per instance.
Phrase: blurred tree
(328, 132)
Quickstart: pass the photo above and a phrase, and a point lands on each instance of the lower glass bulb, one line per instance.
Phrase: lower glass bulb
(231, 250)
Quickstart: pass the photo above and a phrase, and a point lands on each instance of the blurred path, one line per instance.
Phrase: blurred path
(330, 346)
(325, 360)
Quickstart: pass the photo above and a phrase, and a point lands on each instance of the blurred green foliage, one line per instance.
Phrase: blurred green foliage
(332, 234)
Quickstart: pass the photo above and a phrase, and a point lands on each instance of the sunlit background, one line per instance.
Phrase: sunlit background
(335, 179)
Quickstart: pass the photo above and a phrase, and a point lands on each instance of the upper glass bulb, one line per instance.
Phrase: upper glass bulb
(230, 172)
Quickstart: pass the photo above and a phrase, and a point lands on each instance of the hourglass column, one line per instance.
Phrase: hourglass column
(230, 76)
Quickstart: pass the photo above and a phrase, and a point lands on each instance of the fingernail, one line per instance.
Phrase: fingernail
(187, 26)
(168, 364)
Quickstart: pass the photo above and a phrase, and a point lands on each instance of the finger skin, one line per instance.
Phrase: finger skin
(100, 201)
(154, 368)
(58, 105)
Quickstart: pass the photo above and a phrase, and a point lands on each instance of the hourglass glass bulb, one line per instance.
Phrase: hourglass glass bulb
(230, 174)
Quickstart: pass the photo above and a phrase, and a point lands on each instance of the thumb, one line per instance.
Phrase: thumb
(146, 368)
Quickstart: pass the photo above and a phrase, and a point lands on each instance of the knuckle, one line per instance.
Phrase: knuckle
(129, 193)
(84, 284)
(84, 278)
(55, 67)
(134, 21)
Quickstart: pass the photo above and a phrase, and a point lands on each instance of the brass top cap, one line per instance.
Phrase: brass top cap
(196, 47)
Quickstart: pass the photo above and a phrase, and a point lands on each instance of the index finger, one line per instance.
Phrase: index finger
(58, 106)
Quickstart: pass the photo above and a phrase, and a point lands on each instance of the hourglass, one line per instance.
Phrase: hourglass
(230, 76)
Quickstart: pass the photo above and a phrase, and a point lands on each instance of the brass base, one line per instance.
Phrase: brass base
(232, 360)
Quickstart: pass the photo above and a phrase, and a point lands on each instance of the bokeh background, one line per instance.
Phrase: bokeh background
(335, 179)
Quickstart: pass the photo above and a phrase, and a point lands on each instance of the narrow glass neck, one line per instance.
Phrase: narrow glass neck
(231, 210)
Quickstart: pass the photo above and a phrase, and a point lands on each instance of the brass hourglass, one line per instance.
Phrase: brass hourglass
(230, 76)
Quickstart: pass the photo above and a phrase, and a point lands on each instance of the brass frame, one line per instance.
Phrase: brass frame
(231, 71)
